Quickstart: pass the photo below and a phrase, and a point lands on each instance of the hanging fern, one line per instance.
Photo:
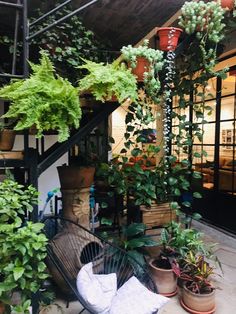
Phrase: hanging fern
(107, 80)
(43, 100)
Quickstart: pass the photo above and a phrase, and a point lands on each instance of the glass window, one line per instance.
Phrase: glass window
(227, 134)
(228, 85)
(227, 108)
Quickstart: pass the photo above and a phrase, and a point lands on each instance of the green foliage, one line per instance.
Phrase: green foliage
(22, 245)
(156, 63)
(206, 19)
(133, 239)
(107, 80)
(44, 101)
(182, 240)
(65, 43)
(196, 272)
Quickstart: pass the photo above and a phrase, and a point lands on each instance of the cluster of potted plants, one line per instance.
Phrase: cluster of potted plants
(182, 260)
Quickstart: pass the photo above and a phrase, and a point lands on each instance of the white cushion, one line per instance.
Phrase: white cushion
(133, 297)
(97, 291)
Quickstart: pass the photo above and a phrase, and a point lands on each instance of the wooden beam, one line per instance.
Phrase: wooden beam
(153, 32)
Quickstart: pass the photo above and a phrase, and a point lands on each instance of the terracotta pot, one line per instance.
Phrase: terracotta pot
(168, 43)
(198, 303)
(141, 67)
(227, 4)
(7, 138)
(2, 308)
(75, 177)
(165, 279)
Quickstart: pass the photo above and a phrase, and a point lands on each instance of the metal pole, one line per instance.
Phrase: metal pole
(13, 70)
(8, 75)
(11, 5)
(50, 12)
(25, 42)
(60, 20)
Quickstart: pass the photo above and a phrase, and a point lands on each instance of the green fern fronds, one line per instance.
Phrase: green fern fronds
(43, 100)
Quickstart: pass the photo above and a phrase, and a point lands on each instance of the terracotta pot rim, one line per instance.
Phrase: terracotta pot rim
(169, 28)
(200, 295)
(161, 269)
(76, 167)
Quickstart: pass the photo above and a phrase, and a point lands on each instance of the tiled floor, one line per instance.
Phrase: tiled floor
(226, 284)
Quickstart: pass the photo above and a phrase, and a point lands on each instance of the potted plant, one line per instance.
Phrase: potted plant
(204, 19)
(107, 82)
(22, 246)
(169, 37)
(76, 180)
(165, 268)
(43, 100)
(198, 295)
(145, 63)
(7, 136)
(227, 4)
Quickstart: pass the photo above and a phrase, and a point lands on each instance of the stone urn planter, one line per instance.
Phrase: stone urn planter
(75, 190)
(198, 303)
(165, 279)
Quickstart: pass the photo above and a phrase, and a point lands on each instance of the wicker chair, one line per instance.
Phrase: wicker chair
(71, 246)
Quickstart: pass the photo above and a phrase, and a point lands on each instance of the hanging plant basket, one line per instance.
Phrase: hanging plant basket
(142, 66)
(169, 37)
(227, 4)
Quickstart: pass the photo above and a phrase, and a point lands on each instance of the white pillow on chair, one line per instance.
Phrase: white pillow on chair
(97, 291)
(133, 297)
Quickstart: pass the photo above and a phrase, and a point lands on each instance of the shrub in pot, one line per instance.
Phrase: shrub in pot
(22, 246)
(165, 271)
(198, 293)
(44, 101)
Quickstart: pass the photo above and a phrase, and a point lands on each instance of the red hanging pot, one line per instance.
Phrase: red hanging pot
(142, 66)
(227, 4)
(169, 37)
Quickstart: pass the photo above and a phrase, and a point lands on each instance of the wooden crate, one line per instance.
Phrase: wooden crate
(157, 215)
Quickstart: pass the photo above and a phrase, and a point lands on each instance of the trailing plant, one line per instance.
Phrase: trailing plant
(44, 100)
(107, 80)
(22, 246)
(204, 19)
(156, 63)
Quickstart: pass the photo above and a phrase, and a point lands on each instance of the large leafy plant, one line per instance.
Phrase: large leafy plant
(22, 246)
(107, 80)
(44, 100)
(132, 239)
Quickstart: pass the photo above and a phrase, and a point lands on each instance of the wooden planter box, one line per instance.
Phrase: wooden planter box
(157, 215)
